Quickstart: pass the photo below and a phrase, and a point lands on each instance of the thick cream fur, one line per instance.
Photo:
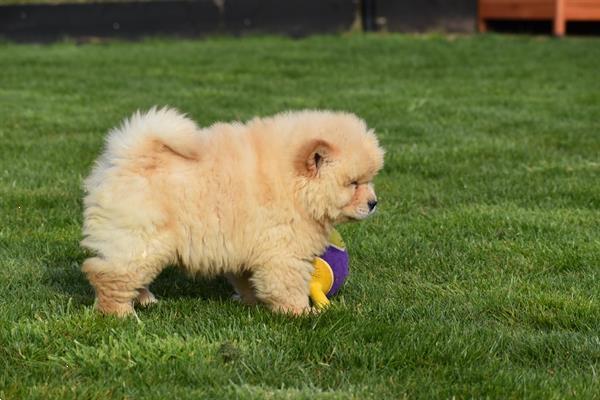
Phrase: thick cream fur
(253, 201)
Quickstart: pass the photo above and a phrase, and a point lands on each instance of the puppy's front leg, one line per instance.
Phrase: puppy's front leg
(243, 287)
(283, 285)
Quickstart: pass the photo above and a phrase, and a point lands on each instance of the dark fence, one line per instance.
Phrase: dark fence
(178, 17)
(426, 15)
(44, 22)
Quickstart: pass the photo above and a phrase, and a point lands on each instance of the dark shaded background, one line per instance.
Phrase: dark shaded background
(296, 18)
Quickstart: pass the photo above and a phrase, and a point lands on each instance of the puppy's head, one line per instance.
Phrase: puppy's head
(337, 167)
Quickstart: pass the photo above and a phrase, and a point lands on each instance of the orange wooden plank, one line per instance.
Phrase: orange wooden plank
(524, 2)
(559, 11)
(582, 10)
(516, 9)
(585, 3)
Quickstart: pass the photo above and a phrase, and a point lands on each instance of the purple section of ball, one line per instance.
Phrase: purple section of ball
(339, 261)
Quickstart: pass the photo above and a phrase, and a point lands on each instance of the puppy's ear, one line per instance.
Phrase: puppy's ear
(312, 156)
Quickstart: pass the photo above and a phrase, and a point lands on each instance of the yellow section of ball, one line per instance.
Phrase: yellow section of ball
(321, 283)
(336, 240)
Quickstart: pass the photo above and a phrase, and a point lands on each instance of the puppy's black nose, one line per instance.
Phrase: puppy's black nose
(372, 204)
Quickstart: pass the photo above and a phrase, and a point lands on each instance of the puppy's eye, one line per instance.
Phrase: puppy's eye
(354, 183)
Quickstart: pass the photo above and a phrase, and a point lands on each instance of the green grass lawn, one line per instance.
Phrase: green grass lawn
(479, 277)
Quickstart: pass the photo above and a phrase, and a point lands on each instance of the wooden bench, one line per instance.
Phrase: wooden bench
(558, 11)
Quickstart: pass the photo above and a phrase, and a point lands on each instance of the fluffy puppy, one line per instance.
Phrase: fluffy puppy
(253, 201)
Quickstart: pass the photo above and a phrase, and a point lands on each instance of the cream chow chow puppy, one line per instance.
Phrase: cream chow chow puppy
(254, 201)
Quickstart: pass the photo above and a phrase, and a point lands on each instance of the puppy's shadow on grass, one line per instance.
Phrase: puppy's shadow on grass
(63, 275)
(62, 272)
(173, 283)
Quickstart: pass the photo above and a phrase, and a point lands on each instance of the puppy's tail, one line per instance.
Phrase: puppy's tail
(158, 130)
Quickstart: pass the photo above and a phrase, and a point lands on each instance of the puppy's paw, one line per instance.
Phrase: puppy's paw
(316, 310)
(293, 310)
(145, 298)
(247, 300)
(115, 308)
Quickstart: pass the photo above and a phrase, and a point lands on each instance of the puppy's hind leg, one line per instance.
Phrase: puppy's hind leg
(284, 285)
(243, 287)
(117, 285)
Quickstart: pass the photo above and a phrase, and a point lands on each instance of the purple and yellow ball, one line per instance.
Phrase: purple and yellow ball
(331, 271)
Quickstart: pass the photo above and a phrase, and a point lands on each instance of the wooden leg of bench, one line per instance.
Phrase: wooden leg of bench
(559, 27)
(559, 18)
